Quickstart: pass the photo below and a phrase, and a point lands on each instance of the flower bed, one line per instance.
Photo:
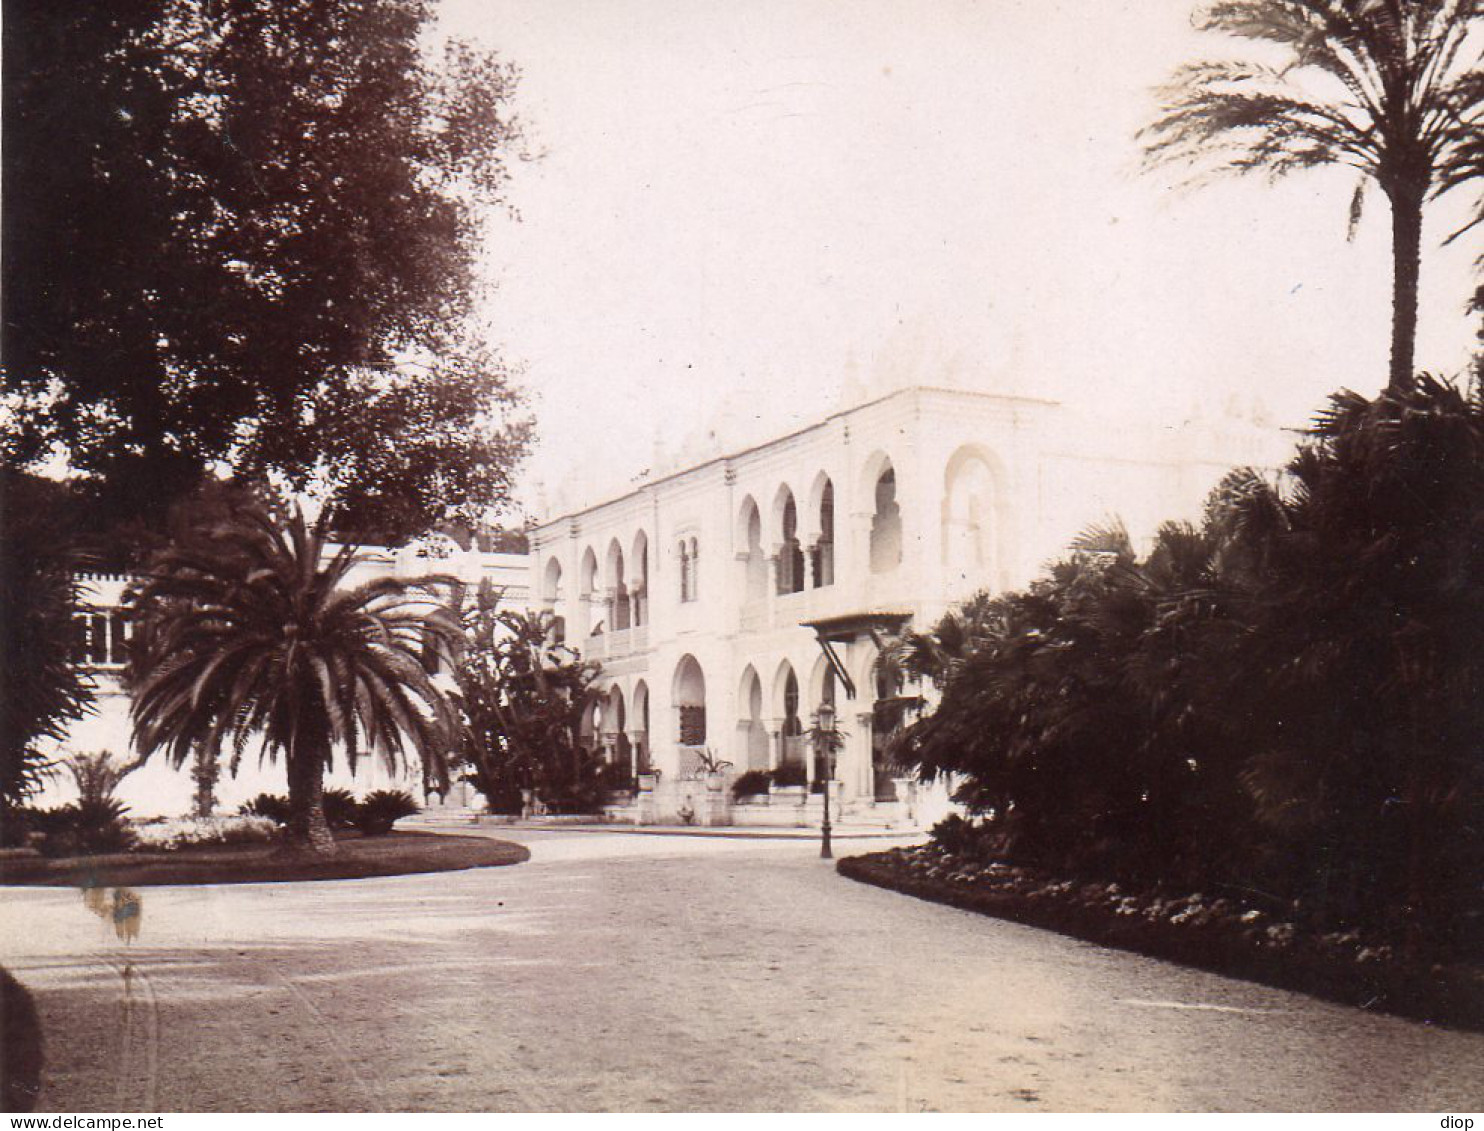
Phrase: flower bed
(356, 857)
(183, 832)
(1221, 934)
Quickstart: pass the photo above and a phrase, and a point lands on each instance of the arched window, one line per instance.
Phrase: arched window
(690, 702)
(970, 529)
(639, 587)
(755, 564)
(690, 557)
(824, 550)
(793, 726)
(790, 555)
(886, 525)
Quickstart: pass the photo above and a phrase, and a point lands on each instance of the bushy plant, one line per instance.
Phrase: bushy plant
(87, 828)
(523, 696)
(341, 808)
(959, 837)
(1285, 698)
(790, 774)
(751, 784)
(376, 815)
(274, 806)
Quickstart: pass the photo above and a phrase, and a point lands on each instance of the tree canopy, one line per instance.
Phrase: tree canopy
(1286, 698)
(1392, 90)
(247, 232)
(523, 695)
(247, 627)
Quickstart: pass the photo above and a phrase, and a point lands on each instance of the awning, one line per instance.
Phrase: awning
(849, 626)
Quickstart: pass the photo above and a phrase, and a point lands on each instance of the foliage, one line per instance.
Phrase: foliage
(1391, 90)
(373, 816)
(84, 829)
(523, 696)
(341, 808)
(1296, 680)
(711, 762)
(751, 784)
(381, 809)
(97, 776)
(206, 771)
(957, 837)
(247, 626)
(187, 832)
(274, 807)
(616, 777)
(790, 774)
(261, 244)
(42, 692)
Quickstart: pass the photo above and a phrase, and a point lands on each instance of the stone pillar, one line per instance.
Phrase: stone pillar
(636, 737)
(866, 775)
(775, 743)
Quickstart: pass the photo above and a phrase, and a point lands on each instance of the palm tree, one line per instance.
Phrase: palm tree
(248, 627)
(1388, 87)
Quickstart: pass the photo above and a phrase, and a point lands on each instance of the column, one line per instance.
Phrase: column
(866, 775)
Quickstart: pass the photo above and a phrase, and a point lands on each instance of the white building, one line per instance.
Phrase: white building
(727, 601)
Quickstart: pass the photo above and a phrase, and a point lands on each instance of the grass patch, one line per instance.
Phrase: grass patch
(396, 854)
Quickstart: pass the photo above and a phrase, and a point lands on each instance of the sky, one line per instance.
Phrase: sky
(745, 210)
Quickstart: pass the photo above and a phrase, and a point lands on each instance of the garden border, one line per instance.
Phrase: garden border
(1452, 996)
(358, 858)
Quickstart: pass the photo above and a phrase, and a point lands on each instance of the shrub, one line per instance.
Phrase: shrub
(958, 837)
(85, 829)
(616, 777)
(790, 773)
(751, 784)
(274, 806)
(376, 815)
(341, 808)
(183, 832)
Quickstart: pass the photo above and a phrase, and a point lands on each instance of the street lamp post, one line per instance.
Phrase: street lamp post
(826, 740)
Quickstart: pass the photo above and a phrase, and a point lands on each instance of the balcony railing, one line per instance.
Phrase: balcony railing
(617, 644)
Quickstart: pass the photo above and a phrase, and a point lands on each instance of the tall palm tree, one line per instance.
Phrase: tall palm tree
(1391, 88)
(248, 627)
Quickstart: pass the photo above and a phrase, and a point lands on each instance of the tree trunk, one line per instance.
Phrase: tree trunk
(1406, 264)
(308, 830)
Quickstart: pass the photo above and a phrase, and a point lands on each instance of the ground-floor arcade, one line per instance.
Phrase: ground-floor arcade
(687, 721)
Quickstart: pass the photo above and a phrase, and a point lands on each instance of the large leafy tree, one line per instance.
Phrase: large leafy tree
(523, 694)
(249, 627)
(41, 690)
(1390, 88)
(258, 245)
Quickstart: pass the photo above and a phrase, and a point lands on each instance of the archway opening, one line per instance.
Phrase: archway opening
(790, 552)
(690, 702)
(823, 551)
(886, 524)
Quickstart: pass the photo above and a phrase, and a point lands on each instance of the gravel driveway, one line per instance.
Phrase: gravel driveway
(623, 972)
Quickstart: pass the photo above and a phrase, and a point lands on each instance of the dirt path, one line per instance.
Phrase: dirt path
(639, 973)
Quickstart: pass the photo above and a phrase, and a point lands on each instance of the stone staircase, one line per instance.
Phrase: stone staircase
(440, 817)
